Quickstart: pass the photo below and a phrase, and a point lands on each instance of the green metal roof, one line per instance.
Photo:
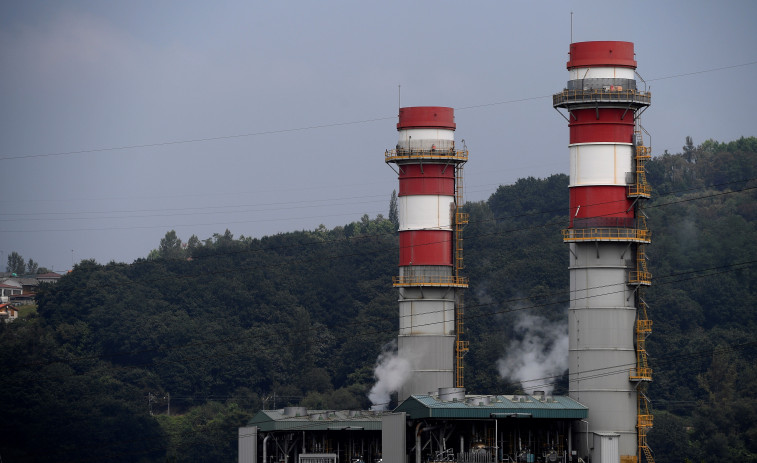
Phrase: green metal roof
(499, 406)
(334, 420)
(424, 406)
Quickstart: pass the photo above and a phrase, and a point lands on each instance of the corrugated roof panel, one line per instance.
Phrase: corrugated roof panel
(275, 420)
(425, 406)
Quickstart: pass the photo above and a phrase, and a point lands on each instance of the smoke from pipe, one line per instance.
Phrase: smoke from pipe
(541, 353)
(391, 373)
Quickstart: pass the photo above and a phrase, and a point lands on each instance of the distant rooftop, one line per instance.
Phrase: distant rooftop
(490, 406)
(299, 418)
(48, 275)
(422, 406)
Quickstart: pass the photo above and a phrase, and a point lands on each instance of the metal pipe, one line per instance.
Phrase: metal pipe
(496, 446)
(587, 436)
(265, 447)
(418, 443)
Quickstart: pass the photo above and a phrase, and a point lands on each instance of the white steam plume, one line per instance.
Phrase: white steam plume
(391, 373)
(542, 352)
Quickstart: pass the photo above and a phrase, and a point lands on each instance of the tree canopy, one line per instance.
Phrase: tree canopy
(224, 325)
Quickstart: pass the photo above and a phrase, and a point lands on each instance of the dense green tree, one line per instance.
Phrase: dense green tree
(66, 403)
(171, 246)
(193, 243)
(16, 263)
(31, 267)
(394, 215)
(302, 317)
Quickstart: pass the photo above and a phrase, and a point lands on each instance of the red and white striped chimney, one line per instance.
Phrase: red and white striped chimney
(427, 165)
(607, 234)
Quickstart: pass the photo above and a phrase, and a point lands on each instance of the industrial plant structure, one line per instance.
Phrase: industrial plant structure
(606, 416)
(607, 234)
(430, 235)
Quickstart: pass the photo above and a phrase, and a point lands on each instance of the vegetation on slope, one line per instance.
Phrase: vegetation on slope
(227, 326)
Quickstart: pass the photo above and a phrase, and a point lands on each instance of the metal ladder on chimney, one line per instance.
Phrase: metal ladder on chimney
(641, 277)
(461, 218)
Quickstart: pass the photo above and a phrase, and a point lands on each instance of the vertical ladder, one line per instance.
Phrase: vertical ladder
(461, 347)
(641, 277)
(642, 372)
(641, 274)
(640, 187)
(643, 425)
(461, 218)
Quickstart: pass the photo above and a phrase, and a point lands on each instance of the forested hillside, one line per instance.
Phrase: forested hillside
(164, 358)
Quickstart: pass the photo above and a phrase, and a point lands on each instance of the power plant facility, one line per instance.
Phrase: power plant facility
(605, 417)
(607, 321)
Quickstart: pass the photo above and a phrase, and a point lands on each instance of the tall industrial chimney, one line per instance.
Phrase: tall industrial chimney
(607, 234)
(430, 226)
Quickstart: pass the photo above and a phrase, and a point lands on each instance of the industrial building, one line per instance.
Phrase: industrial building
(605, 418)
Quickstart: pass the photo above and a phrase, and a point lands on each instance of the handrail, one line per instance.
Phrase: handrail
(405, 153)
(645, 421)
(600, 96)
(644, 152)
(644, 326)
(606, 234)
(640, 277)
(410, 280)
(641, 374)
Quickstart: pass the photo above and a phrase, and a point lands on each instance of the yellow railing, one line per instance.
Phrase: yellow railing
(641, 188)
(641, 275)
(601, 96)
(644, 421)
(403, 153)
(461, 349)
(641, 374)
(462, 217)
(454, 281)
(644, 326)
(606, 234)
(640, 278)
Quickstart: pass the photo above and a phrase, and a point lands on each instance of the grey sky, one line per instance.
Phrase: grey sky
(83, 75)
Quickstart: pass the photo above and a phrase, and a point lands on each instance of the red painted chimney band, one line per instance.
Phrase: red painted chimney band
(426, 247)
(429, 179)
(600, 202)
(425, 117)
(609, 125)
(605, 53)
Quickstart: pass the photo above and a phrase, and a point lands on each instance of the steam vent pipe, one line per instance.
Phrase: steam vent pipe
(606, 235)
(427, 164)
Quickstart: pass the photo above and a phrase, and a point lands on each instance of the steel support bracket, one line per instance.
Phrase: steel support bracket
(623, 254)
(623, 116)
(563, 115)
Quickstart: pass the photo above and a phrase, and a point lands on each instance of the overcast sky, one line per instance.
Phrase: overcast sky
(296, 102)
